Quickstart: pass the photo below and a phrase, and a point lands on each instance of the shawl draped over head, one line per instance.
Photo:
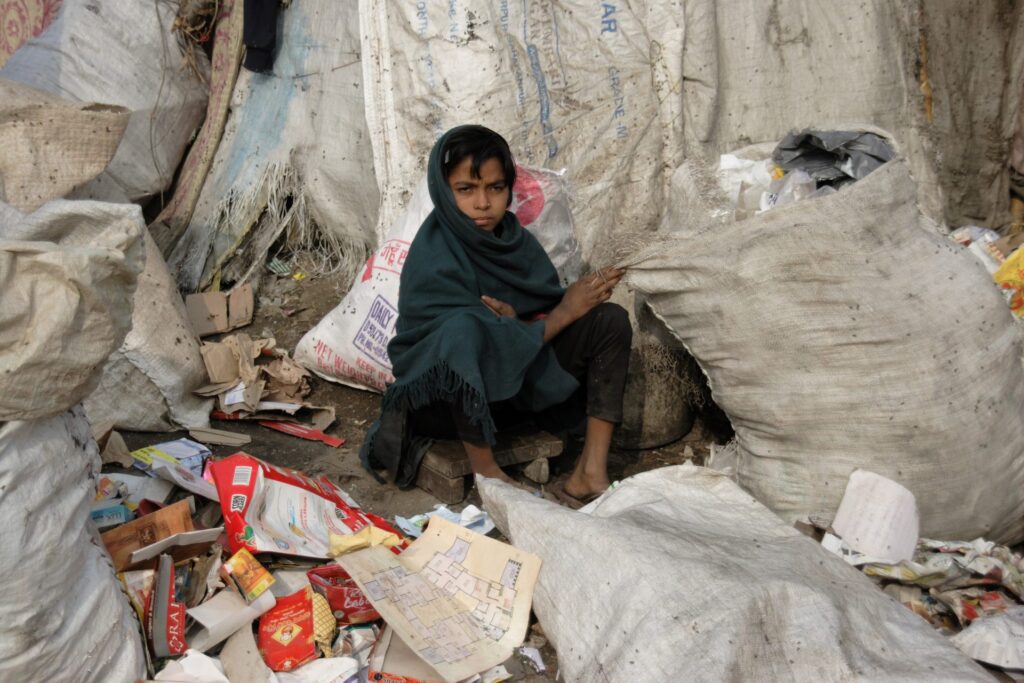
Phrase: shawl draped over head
(449, 347)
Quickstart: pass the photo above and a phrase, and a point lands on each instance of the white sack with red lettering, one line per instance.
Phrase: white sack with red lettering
(350, 344)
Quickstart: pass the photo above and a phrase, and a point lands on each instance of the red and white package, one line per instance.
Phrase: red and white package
(276, 509)
(348, 603)
(286, 638)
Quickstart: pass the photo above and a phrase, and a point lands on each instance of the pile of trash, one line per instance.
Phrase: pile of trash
(970, 590)
(240, 570)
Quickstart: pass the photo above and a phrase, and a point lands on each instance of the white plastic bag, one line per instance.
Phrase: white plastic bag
(678, 575)
(350, 344)
(63, 615)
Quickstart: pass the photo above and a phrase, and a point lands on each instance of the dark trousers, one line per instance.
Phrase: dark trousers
(593, 349)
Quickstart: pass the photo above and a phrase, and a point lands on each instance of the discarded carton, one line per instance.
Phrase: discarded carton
(347, 602)
(217, 312)
(275, 509)
(247, 575)
(144, 531)
(166, 617)
(220, 437)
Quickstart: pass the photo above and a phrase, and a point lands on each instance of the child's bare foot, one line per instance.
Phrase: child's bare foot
(494, 472)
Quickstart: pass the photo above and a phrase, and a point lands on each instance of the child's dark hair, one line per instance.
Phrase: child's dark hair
(481, 144)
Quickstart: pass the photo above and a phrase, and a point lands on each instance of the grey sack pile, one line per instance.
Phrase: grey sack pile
(842, 332)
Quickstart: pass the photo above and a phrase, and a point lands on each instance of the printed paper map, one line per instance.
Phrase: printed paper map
(459, 600)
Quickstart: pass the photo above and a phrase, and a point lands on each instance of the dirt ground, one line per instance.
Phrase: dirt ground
(286, 309)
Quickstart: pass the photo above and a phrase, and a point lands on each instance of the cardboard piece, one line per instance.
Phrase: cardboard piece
(221, 363)
(216, 312)
(122, 541)
(222, 615)
(317, 417)
(219, 437)
(116, 451)
(303, 432)
(1007, 245)
(180, 546)
(166, 617)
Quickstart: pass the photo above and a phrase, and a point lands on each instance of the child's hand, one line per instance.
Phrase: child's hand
(590, 291)
(499, 308)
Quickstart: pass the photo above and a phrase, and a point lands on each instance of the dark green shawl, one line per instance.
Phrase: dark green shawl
(448, 346)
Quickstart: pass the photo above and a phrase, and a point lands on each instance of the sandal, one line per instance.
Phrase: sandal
(567, 499)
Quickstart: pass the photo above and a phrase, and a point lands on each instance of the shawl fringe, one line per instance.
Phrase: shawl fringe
(442, 384)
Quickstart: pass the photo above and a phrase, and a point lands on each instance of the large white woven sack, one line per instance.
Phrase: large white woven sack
(63, 615)
(841, 333)
(678, 575)
(67, 277)
(754, 70)
(295, 157)
(349, 345)
(147, 383)
(589, 87)
(121, 53)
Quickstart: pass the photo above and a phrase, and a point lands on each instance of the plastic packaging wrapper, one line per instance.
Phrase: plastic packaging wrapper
(831, 350)
(1010, 277)
(278, 510)
(684, 550)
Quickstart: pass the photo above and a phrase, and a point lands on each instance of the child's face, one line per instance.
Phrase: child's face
(483, 199)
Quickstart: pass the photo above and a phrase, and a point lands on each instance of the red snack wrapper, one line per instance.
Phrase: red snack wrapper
(276, 509)
(347, 602)
(286, 632)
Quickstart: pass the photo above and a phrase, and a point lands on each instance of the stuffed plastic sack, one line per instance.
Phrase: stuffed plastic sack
(147, 384)
(121, 53)
(63, 614)
(592, 88)
(67, 276)
(840, 333)
(678, 575)
(755, 70)
(295, 157)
